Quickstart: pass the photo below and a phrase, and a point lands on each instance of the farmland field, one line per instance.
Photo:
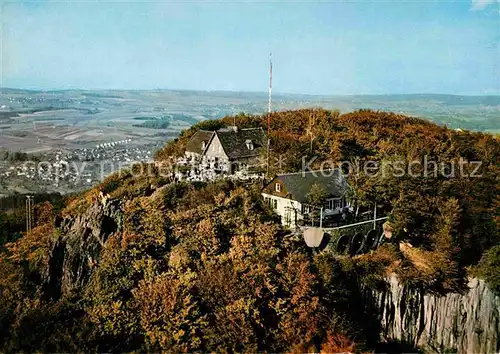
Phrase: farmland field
(39, 121)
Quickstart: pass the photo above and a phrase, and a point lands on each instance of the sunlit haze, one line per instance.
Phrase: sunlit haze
(318, 48)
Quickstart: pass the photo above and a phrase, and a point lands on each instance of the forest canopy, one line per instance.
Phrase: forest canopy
(457, 215)
(142, 264)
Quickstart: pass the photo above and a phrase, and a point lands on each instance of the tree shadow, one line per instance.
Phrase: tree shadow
(395, 346)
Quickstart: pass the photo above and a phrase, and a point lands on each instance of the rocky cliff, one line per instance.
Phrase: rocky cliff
(462, 323)
(78, 246)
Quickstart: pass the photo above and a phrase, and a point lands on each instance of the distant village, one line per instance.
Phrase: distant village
(68, 171)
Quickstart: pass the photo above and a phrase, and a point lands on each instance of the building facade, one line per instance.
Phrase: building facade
(289, 195)
(198, 143)
(237, 148)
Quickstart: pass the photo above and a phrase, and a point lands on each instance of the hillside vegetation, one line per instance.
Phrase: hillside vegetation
(183, 267)
(206, 267)
(452, 216)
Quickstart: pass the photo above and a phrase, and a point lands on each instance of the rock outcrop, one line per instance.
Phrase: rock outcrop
(462, 323)
(78, 247)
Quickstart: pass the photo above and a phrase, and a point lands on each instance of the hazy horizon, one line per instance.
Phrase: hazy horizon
(263, 93)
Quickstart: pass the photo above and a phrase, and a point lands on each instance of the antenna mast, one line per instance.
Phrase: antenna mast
(269, 109)
(270, 83)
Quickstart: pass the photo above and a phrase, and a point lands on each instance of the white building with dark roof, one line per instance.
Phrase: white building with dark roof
(198, 143)
(237, 148)
(288, 194)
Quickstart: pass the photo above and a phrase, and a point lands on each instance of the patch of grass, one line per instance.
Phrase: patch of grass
(153, 124)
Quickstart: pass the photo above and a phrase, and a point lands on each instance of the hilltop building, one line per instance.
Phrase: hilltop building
(197, 145)
(288, 194)
(236, 148)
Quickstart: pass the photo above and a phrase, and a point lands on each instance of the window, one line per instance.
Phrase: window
(332, 204)
(306, 209)
(214, 148)
(249, 144)
(220, 148)
(288, 216)
(278, 187)
(273, 203)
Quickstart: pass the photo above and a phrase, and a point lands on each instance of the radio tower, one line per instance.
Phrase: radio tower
(270, 82)
(269, 109)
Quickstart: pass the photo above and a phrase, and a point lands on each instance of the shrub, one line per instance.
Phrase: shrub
(489, 268)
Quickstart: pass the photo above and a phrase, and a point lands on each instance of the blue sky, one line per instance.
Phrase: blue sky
(342, 47)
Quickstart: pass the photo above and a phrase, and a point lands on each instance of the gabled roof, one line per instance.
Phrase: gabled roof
(195, 144)
(234, 143)
(298, 185)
